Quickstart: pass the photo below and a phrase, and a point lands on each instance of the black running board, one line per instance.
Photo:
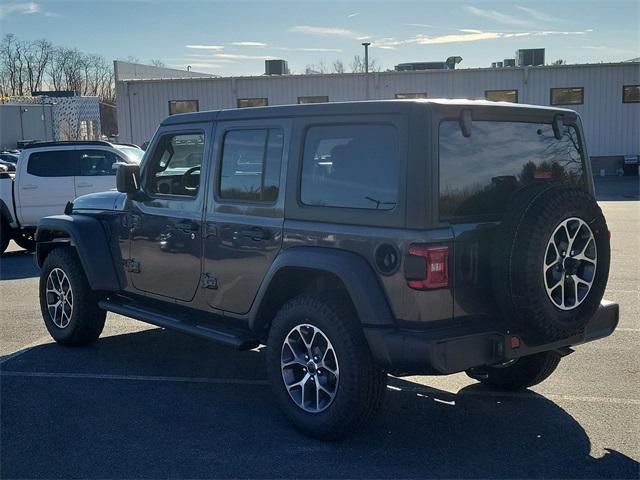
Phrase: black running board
(208, 332)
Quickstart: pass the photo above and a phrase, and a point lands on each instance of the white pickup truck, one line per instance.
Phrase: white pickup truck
(48, 175)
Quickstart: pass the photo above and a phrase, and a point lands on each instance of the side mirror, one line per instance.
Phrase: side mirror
(557, 126)
(128, 178)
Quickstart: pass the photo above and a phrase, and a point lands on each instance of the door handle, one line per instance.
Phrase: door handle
(82, 185)
(256, 233)
(29, 187)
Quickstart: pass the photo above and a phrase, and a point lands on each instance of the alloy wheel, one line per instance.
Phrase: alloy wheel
(59, 298)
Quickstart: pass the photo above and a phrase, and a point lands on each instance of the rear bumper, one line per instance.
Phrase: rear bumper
(455, 349)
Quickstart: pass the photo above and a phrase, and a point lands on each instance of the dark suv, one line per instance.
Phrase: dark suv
(354, 240)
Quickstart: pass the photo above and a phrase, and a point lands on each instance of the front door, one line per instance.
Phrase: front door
(244, 218)
(166, 220)
(95, 171)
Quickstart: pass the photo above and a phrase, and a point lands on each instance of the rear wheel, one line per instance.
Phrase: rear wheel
(320, 368)
(520, 374)
(69, 306)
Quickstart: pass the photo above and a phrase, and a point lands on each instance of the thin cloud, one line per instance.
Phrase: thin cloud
(351, 15)
(249, 44)
(237, 56)
(27, 8)
(466, 35)
(497, 16)
(205, 47)
(328, 31)
(536, 14)
(319, 49)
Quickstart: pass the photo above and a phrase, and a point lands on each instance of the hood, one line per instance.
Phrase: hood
(110, 200)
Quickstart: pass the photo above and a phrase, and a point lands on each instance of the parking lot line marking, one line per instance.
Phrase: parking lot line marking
(150, 378)
(627, 329)
(24, 350)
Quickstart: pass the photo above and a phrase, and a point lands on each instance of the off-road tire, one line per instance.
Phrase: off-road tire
(519, 255)
(5, 234)
(525, 372)
(362, 383)
(86, 320)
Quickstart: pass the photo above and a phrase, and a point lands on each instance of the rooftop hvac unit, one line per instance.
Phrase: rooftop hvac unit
(530, 57)
(276, 67)
(499, 65)
(494, 64)
(509, 62)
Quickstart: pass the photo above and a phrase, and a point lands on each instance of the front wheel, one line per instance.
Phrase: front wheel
(520, 374)
(69, 306)
(320, 368)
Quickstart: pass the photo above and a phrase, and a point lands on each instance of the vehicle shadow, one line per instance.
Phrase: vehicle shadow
(18, 264)
(157, 404)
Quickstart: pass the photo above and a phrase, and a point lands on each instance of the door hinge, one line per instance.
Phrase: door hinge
(209, 281)
(131, 265)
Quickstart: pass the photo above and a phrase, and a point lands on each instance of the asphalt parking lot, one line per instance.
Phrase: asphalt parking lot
(143, 402)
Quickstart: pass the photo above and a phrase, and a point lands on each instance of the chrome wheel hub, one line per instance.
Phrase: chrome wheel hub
(570, 263)
(309, 368)
(59, 298)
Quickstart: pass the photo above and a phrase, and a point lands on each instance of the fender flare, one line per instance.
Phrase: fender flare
(359, 279)
(90, 240)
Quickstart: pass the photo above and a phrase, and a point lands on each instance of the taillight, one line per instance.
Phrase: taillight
(427, 267)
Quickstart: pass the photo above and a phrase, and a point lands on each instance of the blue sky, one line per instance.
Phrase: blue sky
(235, 37)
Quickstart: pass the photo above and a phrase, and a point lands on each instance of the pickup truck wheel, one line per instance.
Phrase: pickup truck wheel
(320, 367)
(523, 373)
(69, 306)
(5, 235)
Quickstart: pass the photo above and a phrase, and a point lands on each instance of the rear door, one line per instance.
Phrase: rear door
(45, 183)
(244, 218)
(96, 171)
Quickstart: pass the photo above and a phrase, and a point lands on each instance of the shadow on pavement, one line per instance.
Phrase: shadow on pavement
(17, 265)
(103, 425)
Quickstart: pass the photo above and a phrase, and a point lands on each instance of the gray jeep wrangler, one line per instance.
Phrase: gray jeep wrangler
(355, 240)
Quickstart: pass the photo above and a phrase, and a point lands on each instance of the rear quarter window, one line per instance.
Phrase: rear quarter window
(480, 173)
(351, 166)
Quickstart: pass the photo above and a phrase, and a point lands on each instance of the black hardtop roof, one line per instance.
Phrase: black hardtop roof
(361, 107)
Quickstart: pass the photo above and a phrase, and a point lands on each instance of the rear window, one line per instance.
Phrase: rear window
(480, 173)
(56, 163)
(350, 166)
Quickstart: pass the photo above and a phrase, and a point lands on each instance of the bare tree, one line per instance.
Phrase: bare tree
(358, 65)
(338, 66)
(156, 62)
(37, 55)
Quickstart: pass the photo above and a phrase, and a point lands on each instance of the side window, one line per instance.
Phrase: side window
(174, 167)
(56, 163)
(250, 169)
(354, 166)
(97, 163)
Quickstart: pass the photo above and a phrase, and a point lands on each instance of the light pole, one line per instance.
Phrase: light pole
(366, 56)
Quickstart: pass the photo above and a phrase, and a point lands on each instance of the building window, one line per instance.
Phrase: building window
(351, 166)
(631, 94)
(316, 99)
(251, 165)
(182, 106)
(411, 95)
(567, 96)
(252, 102)
(501, 95)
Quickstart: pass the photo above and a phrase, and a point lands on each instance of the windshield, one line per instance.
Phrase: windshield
(132, 153)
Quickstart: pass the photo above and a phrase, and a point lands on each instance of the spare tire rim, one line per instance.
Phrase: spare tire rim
(59, 298)
(309, 368)
(570, 263)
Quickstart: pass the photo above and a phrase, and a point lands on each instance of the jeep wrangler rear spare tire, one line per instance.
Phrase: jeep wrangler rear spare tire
(551, 261)
(69, 306)
(320, 368)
